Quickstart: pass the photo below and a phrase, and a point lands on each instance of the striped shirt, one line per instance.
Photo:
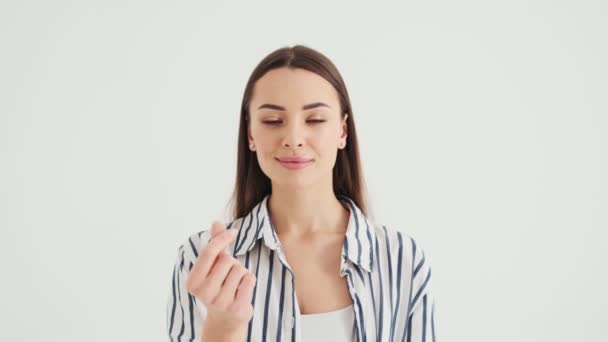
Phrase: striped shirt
(388, 276)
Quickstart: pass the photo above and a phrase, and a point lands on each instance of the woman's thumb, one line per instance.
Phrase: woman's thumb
(217, 228)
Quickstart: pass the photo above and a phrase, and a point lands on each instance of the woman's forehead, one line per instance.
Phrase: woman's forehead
(293, 88)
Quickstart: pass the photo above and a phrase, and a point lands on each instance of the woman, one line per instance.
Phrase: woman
(301, 259)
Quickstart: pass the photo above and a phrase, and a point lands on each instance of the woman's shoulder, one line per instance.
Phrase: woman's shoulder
(399, 245)
(394, 236)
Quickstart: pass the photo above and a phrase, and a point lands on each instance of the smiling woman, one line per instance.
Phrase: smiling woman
(300, 256)
(282, 129)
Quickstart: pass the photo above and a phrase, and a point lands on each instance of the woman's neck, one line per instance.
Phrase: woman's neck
(307, 212)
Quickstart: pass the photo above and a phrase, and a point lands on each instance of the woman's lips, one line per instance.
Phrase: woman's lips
(294, 165)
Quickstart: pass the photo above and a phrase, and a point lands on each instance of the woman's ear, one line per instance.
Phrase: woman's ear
(344, 127)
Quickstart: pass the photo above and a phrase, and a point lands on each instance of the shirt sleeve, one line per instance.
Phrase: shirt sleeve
(185, 314)
(421, 316)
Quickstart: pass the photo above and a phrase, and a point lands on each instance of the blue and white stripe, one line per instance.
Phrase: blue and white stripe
(388, 275)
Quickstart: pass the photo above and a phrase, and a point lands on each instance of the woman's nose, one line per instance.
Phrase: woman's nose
(294, 136)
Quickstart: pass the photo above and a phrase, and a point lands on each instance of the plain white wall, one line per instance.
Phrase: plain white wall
(482, 124)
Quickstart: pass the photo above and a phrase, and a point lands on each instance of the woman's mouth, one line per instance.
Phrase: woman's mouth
(294, 163)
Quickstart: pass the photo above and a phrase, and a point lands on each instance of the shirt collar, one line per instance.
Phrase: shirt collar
(357, 246)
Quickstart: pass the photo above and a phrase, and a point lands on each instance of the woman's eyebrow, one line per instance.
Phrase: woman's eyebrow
(305, 107)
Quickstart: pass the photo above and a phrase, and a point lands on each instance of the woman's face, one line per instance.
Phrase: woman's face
(296, 113)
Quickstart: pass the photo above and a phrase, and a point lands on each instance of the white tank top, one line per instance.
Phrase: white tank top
(338, 326)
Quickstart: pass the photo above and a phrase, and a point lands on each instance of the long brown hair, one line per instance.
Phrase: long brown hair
(251, 184)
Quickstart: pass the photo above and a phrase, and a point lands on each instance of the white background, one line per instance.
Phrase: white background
(482, 124)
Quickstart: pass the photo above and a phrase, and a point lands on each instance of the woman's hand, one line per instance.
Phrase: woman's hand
(223, 285)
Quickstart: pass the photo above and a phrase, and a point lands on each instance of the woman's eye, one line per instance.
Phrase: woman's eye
(274, 122)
